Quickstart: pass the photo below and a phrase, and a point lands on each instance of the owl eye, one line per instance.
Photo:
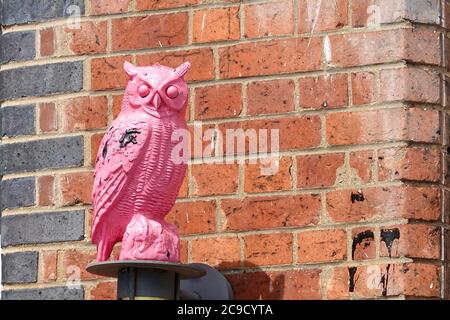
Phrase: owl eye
(143, 90)
(172, 92)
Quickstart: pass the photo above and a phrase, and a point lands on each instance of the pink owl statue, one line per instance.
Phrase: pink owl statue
(136, 179)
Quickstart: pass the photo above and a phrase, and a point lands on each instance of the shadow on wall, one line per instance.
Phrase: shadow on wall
(257, 284)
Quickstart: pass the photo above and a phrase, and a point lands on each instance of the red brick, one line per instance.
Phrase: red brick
(46, 187)
(337, 284)
(318, 170)
(107, 73)
(287, 285)
(219, 252)
(151, 31)
(414, 241)
(417, 280)
(268, 249)
(85, 113)
(363, 243)
(212, 179)
(47, 42)
(363, 88)
(75, 262)
(412, 84)
(194, 217)
(272, 96)
(408, 202)
(412, 163)
(96, 140)
(357, 49)
(268, 174)
(362, 162)
(270, 57)
(117, 105)
(164, 4)
(255, 213)
(329, 91)
(322, 246)
(184, 251)
(76, 188)
(100, 7)
(375, 12)
(183, 192)
(315, 16)
(104, 291)
(89, 38)
(218, 24)
(202, 62)
(269, 19)
(218, 101)
(200, 141)
(297, 132)
(47, 117)
(383, 125)
(49, 265)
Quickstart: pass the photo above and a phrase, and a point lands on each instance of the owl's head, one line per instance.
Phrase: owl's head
(158, 89)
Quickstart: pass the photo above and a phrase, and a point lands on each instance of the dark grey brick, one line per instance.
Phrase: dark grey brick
(18, 121)
(42, 154)
(17, 46)
(42, 227)
(17, 193)
(424, 11)
(41, 80)
(25, 11)
(53, 293)
(20, 267)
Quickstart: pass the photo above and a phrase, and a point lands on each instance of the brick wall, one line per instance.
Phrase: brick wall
(358, 207)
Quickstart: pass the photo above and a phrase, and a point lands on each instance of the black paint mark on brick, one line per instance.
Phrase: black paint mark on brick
(388, 236)
(359, 238)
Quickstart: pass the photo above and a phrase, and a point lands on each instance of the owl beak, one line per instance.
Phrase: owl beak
(157, 101)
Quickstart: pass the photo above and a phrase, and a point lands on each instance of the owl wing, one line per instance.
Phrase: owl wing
(119, 152)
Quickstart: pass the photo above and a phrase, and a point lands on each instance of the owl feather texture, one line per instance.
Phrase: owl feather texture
(136, 179)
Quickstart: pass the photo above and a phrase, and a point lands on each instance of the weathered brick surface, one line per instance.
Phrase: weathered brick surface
(42, 228)
(42, 154)
(354, 88)
(17, 46)
(269, 19)
(216, 24)
(421, 203)
(41, 80)
(375, 12)
(18, 121)
(19, 192)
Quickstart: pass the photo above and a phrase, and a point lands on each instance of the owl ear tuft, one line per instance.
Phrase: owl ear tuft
(182, 69)
(130, 69)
